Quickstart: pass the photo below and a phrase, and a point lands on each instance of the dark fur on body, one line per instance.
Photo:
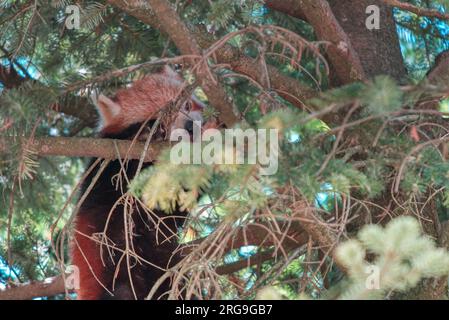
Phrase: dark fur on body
(148, 241)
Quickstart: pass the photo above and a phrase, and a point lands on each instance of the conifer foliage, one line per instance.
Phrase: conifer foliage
(358, 206)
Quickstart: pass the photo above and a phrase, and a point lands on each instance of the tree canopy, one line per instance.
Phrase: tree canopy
(356, 89)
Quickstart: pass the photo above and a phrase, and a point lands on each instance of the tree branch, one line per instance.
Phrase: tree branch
(431, 13)
(47, 288)
(292, 237)
(387, 55)
(139, 10)
(440, 71)
(289, 88)
(246, 263)
(84, 147)
(251, 235)
(343, 57)
(318, 230)
(171, 24)
(290, 7)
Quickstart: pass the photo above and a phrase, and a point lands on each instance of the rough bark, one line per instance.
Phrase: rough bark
(84, 147)
(290, 7)
(345, 61)
(431, 13)
(379, 50)
(47, 288)
(439, 74)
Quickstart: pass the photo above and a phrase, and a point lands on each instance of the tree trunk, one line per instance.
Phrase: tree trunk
(378, 50)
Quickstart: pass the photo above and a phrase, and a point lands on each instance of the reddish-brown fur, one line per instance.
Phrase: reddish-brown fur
(141, 101)
(85, 256)
(100, 240)
(104, 274)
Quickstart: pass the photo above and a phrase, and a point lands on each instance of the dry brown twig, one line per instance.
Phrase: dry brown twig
(425, 12)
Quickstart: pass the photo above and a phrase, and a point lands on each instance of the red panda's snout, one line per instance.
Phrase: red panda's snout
(189, 116)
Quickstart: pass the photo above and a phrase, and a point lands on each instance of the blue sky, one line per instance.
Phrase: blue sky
(25, 63)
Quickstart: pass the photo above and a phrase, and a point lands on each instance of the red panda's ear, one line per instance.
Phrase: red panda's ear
(108, 109)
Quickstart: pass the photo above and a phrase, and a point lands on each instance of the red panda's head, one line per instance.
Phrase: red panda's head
(143, 100)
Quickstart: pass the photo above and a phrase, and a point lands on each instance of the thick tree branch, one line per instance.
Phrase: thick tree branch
(139, 10)
(431, 13)
(47, 288)
(378, 51)
(318, 230)
(83, 147)
(292, 235)
(290, 7)
(440, 71)
(343, 57)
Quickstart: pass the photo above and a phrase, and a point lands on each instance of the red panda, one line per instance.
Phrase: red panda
(105, 271)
